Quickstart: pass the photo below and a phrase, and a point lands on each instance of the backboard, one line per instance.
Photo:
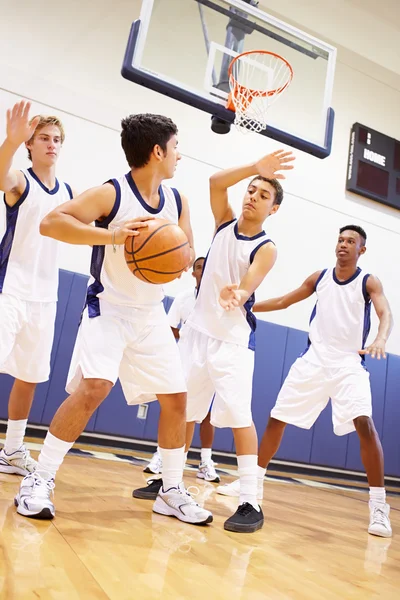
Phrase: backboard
(183, 48)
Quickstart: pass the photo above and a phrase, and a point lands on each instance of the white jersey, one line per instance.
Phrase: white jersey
(227, 262)
(340, 321)
(181, 307)
(28, 260)
(112, 281)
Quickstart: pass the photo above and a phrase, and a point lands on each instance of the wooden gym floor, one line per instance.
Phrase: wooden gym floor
(104, 544)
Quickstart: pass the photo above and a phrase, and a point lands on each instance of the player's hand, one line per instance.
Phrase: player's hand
(376, 349)
(229, 297)
(130, 229)
(18, 128)
(280, 160)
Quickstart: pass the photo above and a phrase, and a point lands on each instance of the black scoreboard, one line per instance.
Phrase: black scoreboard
(373, 169)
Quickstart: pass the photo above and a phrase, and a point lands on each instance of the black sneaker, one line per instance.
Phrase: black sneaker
(150, 492)
(245, 520)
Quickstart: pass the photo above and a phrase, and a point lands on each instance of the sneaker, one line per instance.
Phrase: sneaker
(33, 498)
(150, 492)
(207, 472)
(155, 465)
(379, 522)
(245, 520)
(19, 462)
(233, 489)
(177, 502)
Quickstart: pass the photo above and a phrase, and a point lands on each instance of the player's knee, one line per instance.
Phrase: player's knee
(364, 426)
(174, 403)
(275, 424)
(94, 391)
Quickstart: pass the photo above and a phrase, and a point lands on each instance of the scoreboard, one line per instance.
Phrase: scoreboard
(373, 169)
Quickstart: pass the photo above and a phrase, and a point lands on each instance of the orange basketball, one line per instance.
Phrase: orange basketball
(160, 253)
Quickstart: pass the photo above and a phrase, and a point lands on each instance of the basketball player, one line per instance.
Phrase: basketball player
(178, 313)
(124, 330)
(28, 269)
(332, 365)
(221, 359)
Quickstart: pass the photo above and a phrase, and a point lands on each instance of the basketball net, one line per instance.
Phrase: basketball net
(256, 80)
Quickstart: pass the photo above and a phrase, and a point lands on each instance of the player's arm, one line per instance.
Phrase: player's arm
(184, 223)
(13, 182)
(232, 296)
(221, 181)
(70, 222)
(382, 309)
(301, 293)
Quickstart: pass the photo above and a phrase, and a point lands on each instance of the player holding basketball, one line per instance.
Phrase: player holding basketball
(179, 311)
(332, 365)
(124, 331)
(221, 342)
(28, 270)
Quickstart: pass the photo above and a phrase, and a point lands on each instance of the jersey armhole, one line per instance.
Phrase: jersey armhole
(256, 249)
(319, 279)
(14, 207)
(178, 201)
(105, 222)
(69, 190)
(367, 297)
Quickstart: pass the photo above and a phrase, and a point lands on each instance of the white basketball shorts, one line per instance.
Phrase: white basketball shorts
(212, 366)
(27, 332)
(308, 387)
(142, 354)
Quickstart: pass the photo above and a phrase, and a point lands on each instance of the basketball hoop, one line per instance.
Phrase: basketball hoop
(256, 79)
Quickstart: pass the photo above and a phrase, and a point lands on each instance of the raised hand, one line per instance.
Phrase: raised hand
(376, 349)
(18, 128)
(130, 229)
(229, 297)
(280, 160)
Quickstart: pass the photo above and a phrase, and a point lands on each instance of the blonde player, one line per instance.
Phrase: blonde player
(124, 330)
(28, 269)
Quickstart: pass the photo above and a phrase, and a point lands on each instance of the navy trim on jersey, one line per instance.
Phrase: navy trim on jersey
(244, 237)
(367, 314)
(319, 279)
(150, 209)
(364, 288)
(8, 237)
(69, 190)
(178, 200)
(105, 222)
(352, 278)
(45, 188)
(255, 250)
(221, 227)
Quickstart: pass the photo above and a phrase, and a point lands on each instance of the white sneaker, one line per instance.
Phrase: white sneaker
(33, 498)
(207, 472)
(155, 465)
(177, 502)
(233, 489)
(19, 462)
(379, 522)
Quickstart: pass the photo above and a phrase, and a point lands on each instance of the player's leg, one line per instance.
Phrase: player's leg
(206, 468)
(25, 354)
(153, 366)
(352, 409)
(94, 369)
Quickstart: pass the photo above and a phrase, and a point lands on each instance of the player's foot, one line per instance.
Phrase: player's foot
(379, 522)
(33, 499)
(177, 502)
(149, 492)
(246, 519)
(19, 462)
(155, 465)
(207, 472)
(233, 489)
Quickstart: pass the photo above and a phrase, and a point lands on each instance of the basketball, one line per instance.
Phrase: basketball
(159, 254)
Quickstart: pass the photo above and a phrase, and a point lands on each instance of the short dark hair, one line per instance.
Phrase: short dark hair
(140, 133)
(275, 184)
(197, 260)
(357, 229)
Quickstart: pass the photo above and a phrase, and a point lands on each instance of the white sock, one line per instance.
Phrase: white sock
(52, 456)
(377, 495)
(247, 467)
(172, 466)
(185, 454)
(158, 450)
(205, 455)
(261, 473)
(15, 435)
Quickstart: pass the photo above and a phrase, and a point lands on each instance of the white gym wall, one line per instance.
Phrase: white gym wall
(66, 57)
